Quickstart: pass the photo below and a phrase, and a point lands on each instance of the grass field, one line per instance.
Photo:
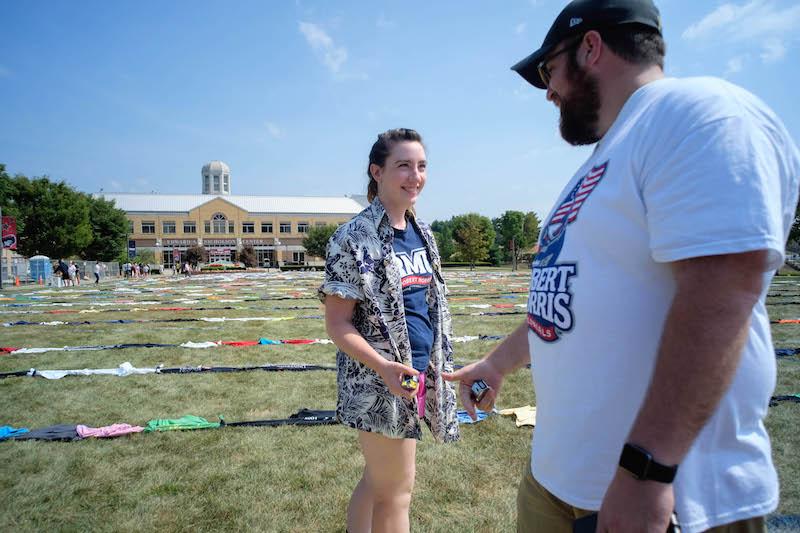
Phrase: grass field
(269, 479)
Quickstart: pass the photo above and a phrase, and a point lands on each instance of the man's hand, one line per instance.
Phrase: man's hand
(466, 376)
(631, 505)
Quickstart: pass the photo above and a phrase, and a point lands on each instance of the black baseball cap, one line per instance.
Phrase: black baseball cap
(581, 16)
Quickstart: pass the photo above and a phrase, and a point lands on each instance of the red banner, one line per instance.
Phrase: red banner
(9, 234)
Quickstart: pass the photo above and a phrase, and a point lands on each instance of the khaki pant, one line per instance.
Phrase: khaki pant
(539, 511)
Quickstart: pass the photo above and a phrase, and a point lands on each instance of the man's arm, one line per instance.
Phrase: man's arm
(508, 356)
(700, 349)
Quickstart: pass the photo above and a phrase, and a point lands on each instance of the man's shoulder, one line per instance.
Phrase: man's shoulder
(703, 99)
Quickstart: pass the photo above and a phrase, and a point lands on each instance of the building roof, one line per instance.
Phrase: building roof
(183, 203)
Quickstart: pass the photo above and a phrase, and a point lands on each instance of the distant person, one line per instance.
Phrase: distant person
(385, 309)
(62, 271)
(71, 271)
(96, 273)
(647, 330)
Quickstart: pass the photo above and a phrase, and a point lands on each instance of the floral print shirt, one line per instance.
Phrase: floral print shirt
(360, 265)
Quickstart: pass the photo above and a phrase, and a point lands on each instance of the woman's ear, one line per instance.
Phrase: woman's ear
(375, 170)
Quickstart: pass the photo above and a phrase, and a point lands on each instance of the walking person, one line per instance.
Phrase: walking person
(648, 290)
(385, 309)
(96, 273)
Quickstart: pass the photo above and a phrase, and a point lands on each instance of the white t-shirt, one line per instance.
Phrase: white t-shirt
(690, 168)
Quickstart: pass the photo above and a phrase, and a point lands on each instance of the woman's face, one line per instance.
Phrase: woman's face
(402, 177)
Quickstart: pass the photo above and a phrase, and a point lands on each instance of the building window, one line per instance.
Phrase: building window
(266, 227)
(216, 183)
(226, 185)
(231, 228)
(189, 227)
(320, 224)
(207, 226)
(130, 226)
(168, 227)
(206, 184)
(219, 222)
(302, 227)
(299, 258)
(248, 227)
(148, 227)
(286, 227)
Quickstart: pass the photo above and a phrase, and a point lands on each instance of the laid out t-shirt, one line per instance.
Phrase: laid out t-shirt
(690, 168)
(411, 258)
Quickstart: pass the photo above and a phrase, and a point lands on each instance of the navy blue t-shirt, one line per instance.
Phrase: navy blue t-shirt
(412, 260)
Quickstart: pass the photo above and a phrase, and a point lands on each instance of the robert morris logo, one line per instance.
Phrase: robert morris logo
(549, 303)
(550, 299)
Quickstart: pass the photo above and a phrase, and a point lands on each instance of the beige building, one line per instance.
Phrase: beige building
(223, 223)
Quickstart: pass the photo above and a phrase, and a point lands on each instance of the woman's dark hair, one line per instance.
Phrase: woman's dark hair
(381, 150)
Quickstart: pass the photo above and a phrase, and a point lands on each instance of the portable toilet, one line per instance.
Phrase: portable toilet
(40, 268)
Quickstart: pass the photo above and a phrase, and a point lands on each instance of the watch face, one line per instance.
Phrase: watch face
(635, 460)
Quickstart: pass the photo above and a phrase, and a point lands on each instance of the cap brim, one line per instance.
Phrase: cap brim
(527, 68)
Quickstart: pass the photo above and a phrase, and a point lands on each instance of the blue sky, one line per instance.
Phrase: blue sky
(137, 96)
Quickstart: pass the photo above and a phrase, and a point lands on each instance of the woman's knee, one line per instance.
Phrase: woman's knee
(394, 490)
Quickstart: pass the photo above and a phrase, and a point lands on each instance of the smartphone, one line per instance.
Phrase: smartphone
(588, 524)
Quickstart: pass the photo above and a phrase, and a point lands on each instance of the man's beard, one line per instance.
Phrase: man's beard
(579, 111)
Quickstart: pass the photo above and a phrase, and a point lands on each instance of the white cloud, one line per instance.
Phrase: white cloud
(735, 65)
(754, 23)
(520, 28)
(525, 91)
(773, 51)
(332, 56)
(117, 186)
(274, 131)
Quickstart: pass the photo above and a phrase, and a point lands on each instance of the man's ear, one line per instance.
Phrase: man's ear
(591, 47)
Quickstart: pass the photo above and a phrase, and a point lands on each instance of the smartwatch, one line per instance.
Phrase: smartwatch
(641, 465)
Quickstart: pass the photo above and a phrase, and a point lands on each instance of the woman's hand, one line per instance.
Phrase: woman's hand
(392, 374)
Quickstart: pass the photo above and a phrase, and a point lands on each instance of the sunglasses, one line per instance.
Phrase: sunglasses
(544, 72)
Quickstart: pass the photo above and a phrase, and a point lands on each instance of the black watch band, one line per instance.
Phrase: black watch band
(641, 465)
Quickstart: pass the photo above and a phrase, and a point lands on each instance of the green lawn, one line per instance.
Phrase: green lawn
(273, 479)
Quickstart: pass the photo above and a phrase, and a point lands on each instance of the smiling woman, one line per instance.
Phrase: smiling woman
(386, 311)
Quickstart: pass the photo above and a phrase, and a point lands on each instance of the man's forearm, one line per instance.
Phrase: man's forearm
(512, 353)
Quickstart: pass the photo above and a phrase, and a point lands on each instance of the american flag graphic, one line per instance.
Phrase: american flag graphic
(568, 211)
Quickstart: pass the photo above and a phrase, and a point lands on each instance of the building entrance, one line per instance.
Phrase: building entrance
(216, 255)
(265, 258)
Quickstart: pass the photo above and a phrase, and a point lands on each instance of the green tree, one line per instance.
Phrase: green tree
(316, 240)
(145, 257)
(509, 228)
(474, 236)
(109, 230)
(53, 218)
(530, 232)
(517, 232)
(196, 254)
(794, 233)
(443, 233)
(248, 256)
